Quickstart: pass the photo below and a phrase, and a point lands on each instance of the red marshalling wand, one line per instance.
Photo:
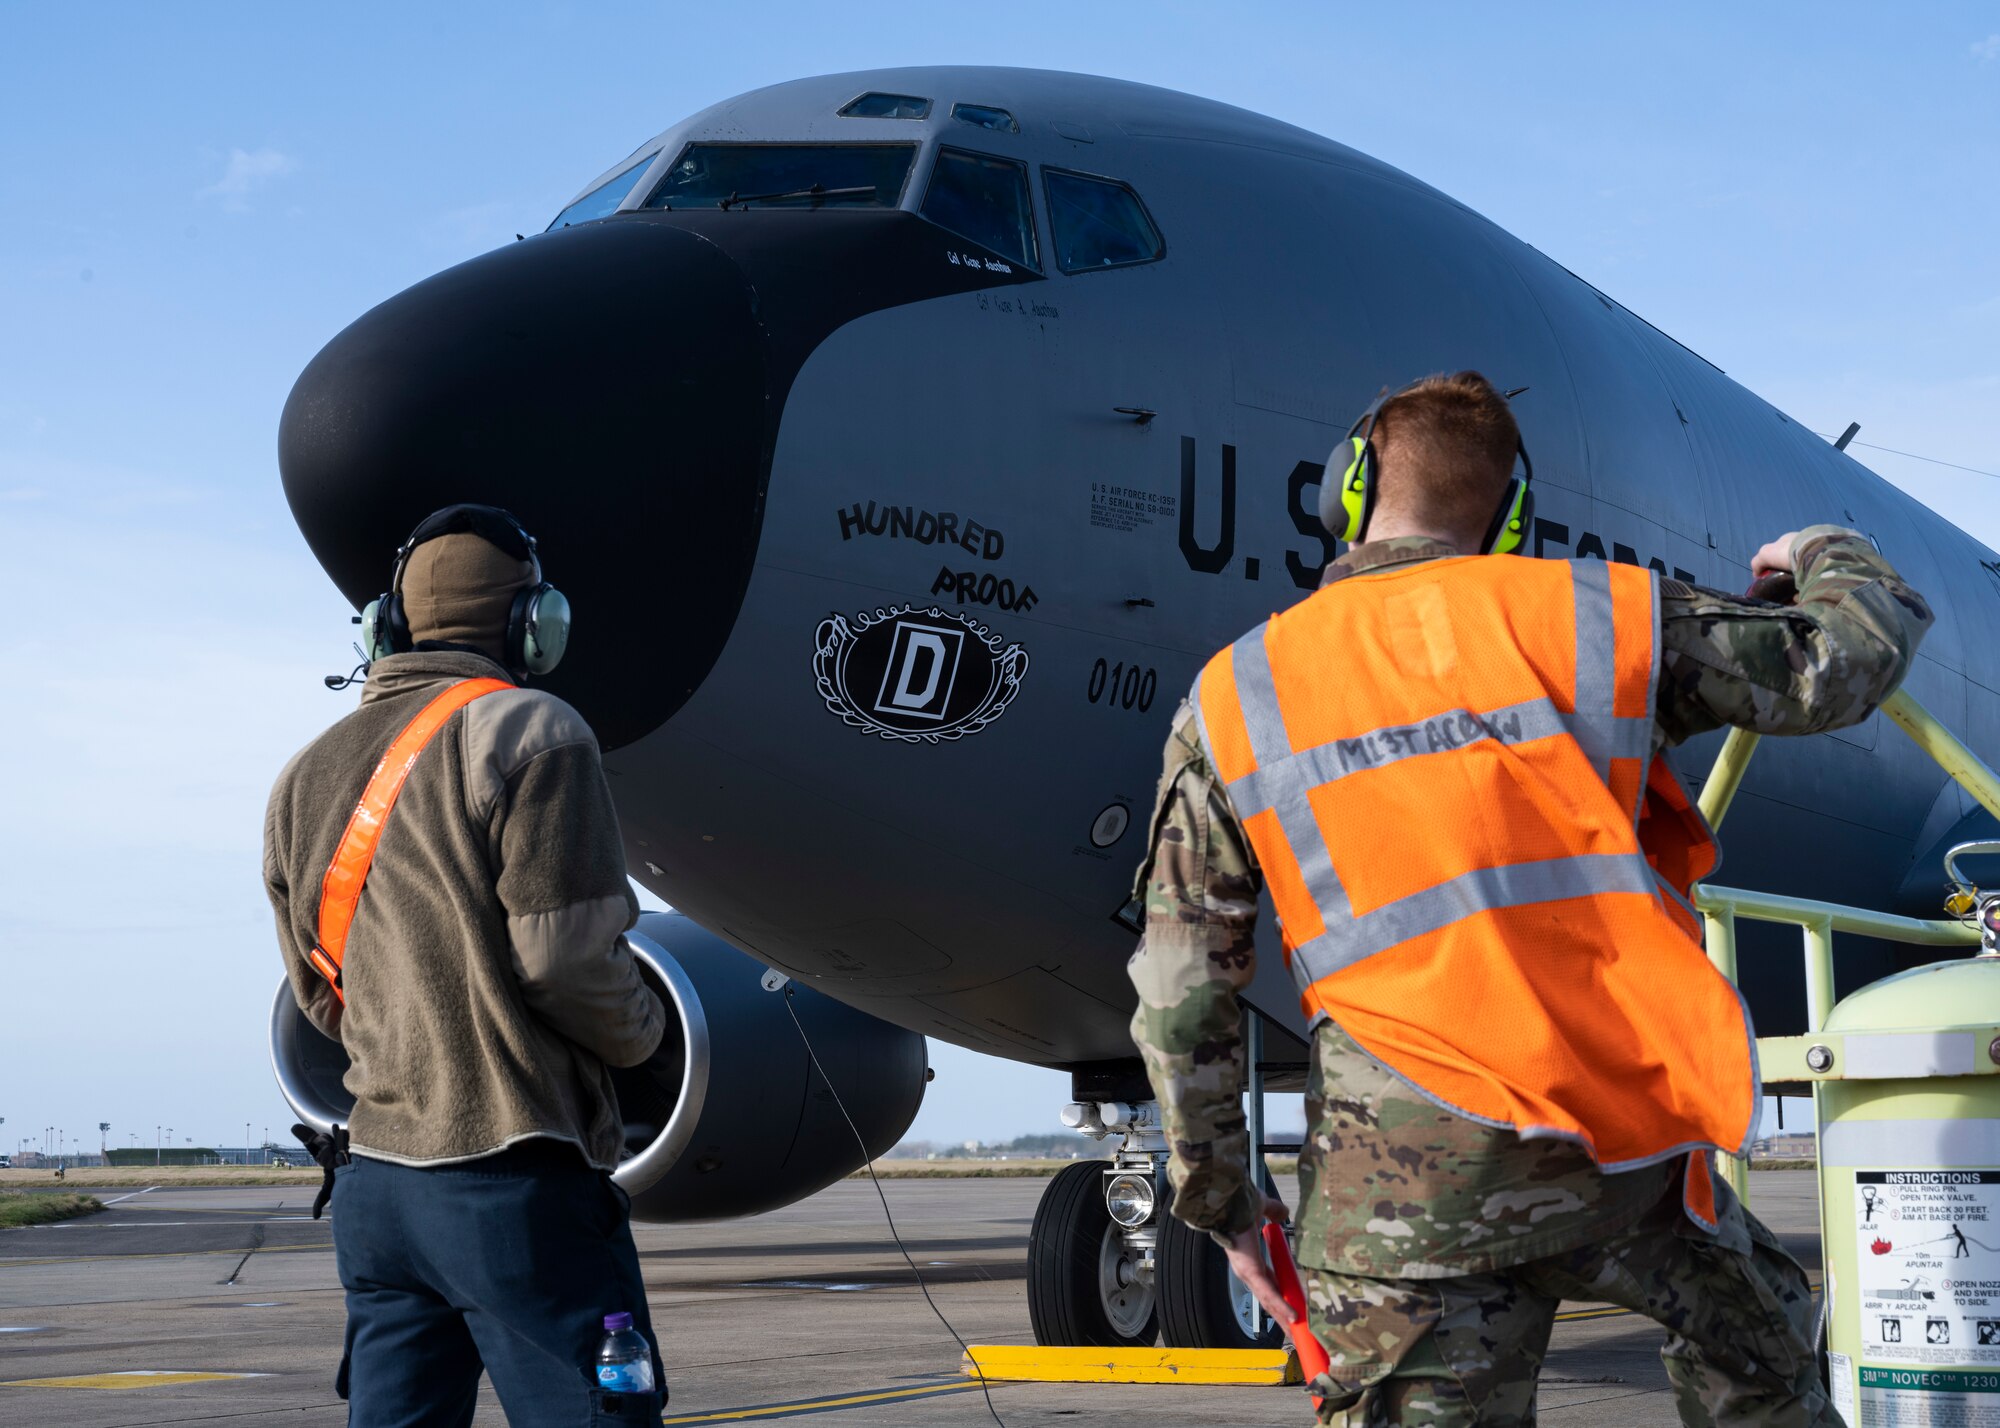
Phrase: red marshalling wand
(1313, 1360)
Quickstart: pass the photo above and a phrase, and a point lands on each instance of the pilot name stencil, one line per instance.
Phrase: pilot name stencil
(915, 676)
(923, 527)
(973, 260)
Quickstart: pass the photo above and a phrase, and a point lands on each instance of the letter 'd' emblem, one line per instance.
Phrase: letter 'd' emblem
(915, 676)
(923, 664)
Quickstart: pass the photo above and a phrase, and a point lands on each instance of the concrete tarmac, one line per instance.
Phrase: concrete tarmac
(807, 1311)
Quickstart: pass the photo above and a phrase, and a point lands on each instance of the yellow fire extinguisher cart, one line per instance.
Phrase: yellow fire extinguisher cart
(1905, 1077)
(1909, 1183)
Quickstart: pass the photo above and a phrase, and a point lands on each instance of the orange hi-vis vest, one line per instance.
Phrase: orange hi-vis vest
(1445, 772)
(347, 874)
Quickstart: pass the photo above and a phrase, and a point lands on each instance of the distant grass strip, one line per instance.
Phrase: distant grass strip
(98, 1177)
(964, 1168)
(967, 1168)
(17, 1209)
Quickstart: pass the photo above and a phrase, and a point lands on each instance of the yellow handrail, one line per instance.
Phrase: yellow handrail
(1946, 748)
(1774, 907)
(1727, 775)
(1816, 920)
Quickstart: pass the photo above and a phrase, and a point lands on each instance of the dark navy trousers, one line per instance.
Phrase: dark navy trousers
(510, 1263)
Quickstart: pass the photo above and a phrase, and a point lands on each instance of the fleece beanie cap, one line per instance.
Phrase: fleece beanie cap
(460, 588)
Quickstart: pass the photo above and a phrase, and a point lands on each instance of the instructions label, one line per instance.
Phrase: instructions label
(1928, 1256)
(1928, 1398)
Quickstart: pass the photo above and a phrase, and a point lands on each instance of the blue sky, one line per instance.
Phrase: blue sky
(196, 197)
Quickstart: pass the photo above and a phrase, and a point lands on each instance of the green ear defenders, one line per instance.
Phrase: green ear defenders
(1515, 516)
(537, 622)
(1345, 506)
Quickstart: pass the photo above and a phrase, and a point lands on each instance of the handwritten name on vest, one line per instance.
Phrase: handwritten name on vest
(923, 527)
(1438, 734)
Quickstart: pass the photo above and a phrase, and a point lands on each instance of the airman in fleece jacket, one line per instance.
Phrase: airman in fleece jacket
(487, 989)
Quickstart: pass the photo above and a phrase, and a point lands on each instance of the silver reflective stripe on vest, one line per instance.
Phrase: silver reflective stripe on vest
(1596, 663)
(1653, 703)
(1263, 721)
(1598, 728)
(1441, 733)
(1482, 890)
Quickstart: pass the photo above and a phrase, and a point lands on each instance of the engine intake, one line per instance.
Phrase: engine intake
(728, 1117)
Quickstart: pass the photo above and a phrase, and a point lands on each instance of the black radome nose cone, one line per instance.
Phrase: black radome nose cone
(606, 384)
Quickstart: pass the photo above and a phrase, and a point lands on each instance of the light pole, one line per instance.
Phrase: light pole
(246, 1142)
(157, 1143)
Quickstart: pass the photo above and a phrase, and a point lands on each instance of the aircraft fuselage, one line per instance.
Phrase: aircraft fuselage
(901, 574)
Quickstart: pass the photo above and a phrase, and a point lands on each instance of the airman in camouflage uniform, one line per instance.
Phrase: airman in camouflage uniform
(1435, 1249)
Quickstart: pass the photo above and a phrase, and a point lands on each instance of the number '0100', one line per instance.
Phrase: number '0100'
(1123, 686)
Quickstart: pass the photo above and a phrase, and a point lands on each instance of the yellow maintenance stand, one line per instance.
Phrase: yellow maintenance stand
(1905, 1075)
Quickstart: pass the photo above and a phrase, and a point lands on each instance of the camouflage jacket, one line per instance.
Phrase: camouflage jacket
(1391, 1184)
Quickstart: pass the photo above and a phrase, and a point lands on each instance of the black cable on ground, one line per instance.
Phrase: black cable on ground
(868, 1161)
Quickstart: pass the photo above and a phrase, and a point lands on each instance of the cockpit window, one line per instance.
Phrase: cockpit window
(1098, 223)
(985, 116)
(603, 199)
(875, 105)
(785, 176)
(985, 199)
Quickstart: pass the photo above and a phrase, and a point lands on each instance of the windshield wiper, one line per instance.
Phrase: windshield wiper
(815, 192)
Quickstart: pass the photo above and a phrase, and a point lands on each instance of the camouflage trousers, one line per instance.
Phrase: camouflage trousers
(1449, 1353)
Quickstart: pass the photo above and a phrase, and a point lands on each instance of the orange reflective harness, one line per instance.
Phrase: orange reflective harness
(340, 889)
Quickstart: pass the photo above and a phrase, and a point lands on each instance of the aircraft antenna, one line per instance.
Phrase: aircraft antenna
(1847, 436)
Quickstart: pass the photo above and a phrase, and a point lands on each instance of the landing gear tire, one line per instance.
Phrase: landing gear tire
(1084, 1286)
(1203, 1305)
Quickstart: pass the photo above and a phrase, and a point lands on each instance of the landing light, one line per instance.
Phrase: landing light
(1130, 1199)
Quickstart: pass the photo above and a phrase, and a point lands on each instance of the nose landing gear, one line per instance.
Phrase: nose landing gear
(1109, 1267)
(1088, 1285)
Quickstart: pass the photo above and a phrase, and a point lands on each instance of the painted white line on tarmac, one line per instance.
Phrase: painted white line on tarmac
(169, 1224)
(133, 1196)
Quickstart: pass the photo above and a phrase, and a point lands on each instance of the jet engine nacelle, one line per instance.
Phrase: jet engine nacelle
(728, 1117)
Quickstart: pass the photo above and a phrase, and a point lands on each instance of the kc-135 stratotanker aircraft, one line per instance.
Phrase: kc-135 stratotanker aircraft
(906, 440)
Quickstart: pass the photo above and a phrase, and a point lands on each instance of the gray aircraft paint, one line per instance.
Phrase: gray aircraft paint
(953, 887)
